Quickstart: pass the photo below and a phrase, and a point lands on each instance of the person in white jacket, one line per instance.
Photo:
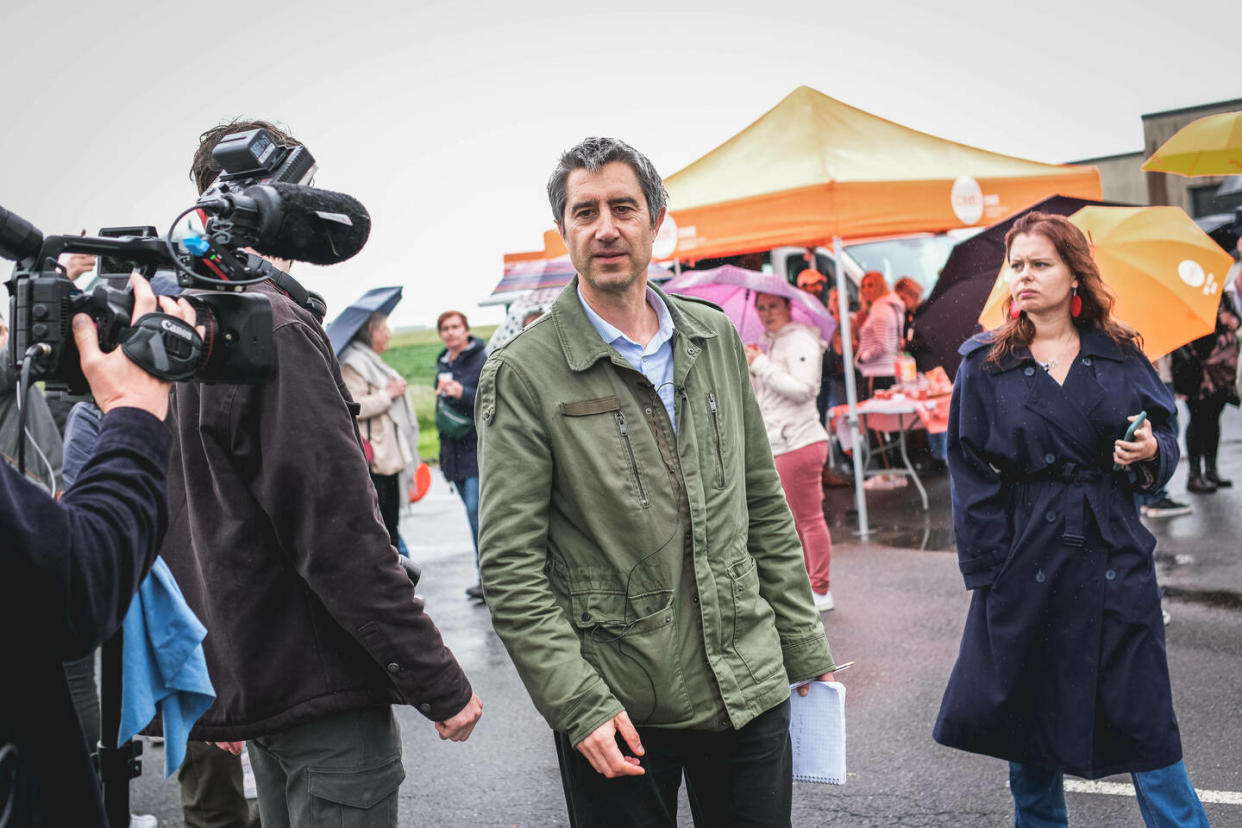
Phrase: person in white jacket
(786, 381)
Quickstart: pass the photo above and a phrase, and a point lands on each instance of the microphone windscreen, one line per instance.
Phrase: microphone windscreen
(313, 225)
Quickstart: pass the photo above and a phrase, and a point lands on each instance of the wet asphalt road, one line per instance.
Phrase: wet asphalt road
(900, 611)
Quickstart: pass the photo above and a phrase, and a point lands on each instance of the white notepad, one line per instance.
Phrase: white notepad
(817, 731)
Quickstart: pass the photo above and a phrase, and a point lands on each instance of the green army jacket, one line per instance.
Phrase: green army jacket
(628, 566)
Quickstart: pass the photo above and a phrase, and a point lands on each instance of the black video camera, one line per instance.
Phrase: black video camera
(258, 200)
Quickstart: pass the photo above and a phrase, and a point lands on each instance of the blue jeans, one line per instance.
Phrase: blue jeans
(468, 491)
(1166, 798)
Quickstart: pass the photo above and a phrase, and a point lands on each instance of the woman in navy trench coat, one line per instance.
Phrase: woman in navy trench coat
(1062, 666)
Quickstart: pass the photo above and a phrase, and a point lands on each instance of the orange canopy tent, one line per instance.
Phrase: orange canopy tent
(813, 168)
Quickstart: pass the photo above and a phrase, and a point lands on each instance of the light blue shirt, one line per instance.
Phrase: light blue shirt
(655, 362)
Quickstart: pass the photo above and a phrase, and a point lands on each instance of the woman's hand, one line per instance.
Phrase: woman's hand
(752, 351)
(450, 388)
(396, 387)
(1142, 447)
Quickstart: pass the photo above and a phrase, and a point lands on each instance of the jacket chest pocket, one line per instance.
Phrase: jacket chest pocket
(599, 422)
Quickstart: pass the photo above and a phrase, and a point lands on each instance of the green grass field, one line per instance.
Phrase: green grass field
(413, 354)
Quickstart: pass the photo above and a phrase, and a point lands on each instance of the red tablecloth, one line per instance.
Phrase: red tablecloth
(894, 414)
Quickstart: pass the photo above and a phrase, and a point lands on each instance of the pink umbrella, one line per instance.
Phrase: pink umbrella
(734, 289)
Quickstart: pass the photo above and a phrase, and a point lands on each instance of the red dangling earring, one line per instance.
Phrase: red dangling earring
(1014, 310)
(1075, 304)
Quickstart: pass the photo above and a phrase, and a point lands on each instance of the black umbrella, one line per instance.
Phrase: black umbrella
(950, 315)
(376, 300)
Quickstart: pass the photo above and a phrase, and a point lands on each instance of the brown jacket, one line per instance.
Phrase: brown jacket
(374, 422)
(277, 544)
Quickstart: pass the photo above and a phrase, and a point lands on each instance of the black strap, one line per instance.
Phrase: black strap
(164, 346)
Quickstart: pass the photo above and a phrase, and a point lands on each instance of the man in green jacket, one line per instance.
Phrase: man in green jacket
(638, 556)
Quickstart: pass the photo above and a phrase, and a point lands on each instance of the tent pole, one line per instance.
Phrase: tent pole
(851, 389)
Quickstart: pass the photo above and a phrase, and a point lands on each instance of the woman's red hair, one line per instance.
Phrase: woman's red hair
(1097, 300)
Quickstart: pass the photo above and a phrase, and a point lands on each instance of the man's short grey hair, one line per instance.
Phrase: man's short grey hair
(591, 154)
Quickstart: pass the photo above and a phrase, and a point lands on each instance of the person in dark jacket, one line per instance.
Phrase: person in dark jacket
(314, 630)
(457, 377)
(68, 569)
(1205, 372)
(1062, 666)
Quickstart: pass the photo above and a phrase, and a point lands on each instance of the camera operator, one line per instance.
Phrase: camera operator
(314, 630)
(68, 570)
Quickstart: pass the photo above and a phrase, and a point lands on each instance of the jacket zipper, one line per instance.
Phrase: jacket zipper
(629, 448)
(711, 402)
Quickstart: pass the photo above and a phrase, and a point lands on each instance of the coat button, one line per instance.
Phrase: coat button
(1110, 575)
(1086, 361)
(647, 411)
(394, 667)
(1040, 577)
(426, 708)
(695, 597)
(1050, 516)
(1050, 458)
(586, 616)
(1029, 370)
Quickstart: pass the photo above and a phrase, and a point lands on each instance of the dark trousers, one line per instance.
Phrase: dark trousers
(213, 794)
(388, 492)
(733, 777)
(1203, 430)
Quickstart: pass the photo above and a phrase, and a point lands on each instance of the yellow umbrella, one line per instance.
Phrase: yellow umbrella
(1166, 273)
(1208, 146)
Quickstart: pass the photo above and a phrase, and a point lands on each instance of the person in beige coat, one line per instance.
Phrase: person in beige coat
(786, 382)
(386, 419)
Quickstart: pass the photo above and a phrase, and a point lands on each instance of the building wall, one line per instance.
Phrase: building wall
(1120, 177)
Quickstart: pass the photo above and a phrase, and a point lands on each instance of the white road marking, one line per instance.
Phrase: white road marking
(1123, 789)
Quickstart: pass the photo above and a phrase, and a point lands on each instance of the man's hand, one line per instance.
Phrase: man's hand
(234, 748)
(600, 748)
(78, 263)
(803, 689)
(115, 381)
(458, 728)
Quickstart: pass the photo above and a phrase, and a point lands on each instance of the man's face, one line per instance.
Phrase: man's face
(607, 227)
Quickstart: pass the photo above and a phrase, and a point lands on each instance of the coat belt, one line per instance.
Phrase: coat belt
(1080, 490)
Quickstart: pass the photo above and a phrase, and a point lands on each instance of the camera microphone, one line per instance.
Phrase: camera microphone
(292, 221)
(19, 239)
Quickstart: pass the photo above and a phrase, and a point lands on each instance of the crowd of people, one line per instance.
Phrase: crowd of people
(645, 501)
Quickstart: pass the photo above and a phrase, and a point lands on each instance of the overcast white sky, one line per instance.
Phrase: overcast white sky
(445, 118)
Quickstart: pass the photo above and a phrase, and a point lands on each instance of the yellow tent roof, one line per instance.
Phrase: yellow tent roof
(809, 138)
(812, 168)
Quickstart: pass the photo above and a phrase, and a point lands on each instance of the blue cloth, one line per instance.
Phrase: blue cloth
(655, 361)
(1166, 798)
(164, 665)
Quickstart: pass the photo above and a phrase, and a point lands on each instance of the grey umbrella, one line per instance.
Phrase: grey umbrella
(377, 300)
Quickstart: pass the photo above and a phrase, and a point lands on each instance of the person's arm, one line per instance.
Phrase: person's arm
(797, 380)
(319, 498)
(371, 401)
(515, 495)
(978, 493)
(1153, 470)
(69, 568)
(773, 542)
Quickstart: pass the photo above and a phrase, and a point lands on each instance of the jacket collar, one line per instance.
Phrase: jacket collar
(1092, 342)
(582, 344)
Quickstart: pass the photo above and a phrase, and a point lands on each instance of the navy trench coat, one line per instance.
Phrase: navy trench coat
(1062, 662)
